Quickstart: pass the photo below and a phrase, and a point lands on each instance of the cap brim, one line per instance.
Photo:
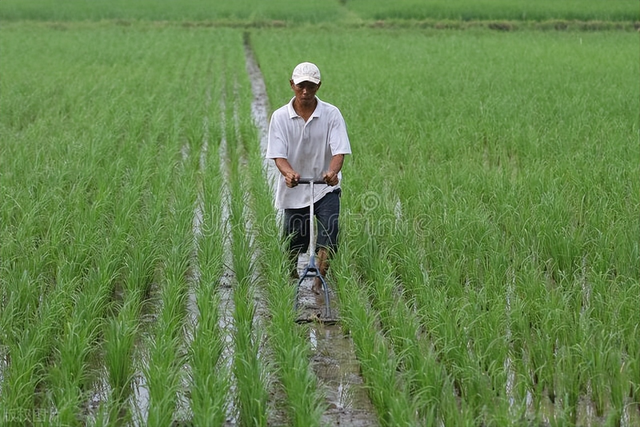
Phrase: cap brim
(301, 79)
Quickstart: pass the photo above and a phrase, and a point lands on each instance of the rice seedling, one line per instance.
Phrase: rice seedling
(120, 338)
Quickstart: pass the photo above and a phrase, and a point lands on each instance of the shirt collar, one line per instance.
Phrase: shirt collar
(316, 113)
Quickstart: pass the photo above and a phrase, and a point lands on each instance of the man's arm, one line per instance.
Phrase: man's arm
(331, 176)
(291, 177)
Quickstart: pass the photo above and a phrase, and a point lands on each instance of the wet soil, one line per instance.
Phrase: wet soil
(336, 366)
(316, 308)
(334, 360)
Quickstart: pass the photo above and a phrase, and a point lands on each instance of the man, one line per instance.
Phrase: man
(308, 138)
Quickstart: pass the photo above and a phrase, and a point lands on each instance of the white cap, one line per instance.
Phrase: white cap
(306, 72)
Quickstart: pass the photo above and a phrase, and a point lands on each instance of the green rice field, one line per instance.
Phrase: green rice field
(488, 272)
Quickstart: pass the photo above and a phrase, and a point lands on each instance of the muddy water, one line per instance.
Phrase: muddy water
(336, 366)
(225, 323)
(334, 360)
(4, 362)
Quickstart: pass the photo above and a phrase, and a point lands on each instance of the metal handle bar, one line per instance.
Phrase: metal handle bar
(310, 180)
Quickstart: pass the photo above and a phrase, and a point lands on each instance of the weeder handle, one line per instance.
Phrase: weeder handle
(310, 180)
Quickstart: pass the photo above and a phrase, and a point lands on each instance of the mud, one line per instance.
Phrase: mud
(336, 366)
(312, 307)
(334, 360)
(4, 362)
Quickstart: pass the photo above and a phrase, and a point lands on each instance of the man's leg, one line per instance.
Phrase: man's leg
(322, 262)
(296, 230)
(327, 211)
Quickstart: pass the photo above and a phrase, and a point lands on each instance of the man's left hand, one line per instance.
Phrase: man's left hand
(331, 178)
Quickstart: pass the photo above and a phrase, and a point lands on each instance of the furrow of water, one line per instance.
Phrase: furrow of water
(225, 288)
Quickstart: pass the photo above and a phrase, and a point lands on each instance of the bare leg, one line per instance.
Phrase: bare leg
(323, 265)
(293, 262)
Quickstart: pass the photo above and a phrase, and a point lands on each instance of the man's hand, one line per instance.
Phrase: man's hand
(331, 178)
(291, 179)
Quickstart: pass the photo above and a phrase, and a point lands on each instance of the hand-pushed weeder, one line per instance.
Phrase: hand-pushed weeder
(311, 266)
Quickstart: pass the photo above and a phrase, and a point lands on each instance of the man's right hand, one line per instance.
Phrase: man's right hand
(291, 179)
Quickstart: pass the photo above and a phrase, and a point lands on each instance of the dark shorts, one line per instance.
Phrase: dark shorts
(296, 224)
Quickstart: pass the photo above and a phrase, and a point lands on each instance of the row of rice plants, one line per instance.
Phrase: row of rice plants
(287, 343)
(498, 221)
(210, 374)
(622, 10)
(316, 11)
(248, 367)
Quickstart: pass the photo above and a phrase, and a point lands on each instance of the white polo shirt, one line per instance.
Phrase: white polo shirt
(308, 147)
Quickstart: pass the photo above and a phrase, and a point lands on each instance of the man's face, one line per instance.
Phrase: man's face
(305, 92)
